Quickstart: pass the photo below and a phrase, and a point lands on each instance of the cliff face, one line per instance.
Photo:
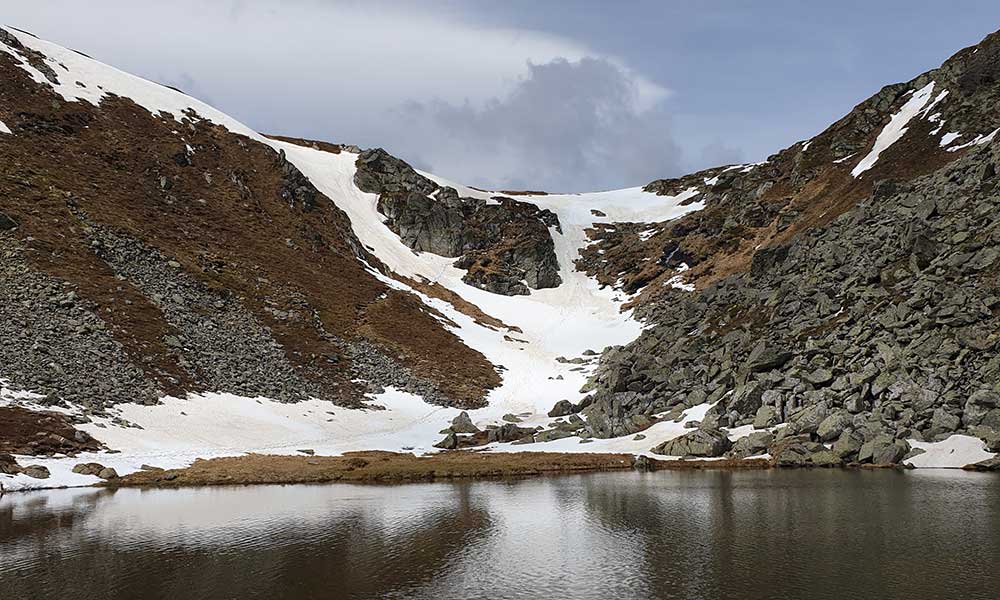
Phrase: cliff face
(504, 245)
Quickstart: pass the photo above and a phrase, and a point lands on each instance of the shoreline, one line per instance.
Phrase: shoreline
(389, 467)
(398, 468)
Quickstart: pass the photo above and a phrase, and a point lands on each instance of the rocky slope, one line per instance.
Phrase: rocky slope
(855, 300)
(171, 255)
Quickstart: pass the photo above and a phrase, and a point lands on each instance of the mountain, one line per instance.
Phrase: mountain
(177, 285)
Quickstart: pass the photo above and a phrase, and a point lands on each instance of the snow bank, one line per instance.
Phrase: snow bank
(175, 433)
(952, 453)
(896, 127)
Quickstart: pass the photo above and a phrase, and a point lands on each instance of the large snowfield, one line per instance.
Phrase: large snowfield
(562, 322)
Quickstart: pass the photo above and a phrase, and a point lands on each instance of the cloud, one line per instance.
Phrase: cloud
(565, 126)
(720, 153)
(347, 71)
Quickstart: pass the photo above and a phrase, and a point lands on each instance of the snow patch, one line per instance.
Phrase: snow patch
(952, 453)
(214, 425)
(979, 140)
(896, 127)
(5, 129)
(949, 137)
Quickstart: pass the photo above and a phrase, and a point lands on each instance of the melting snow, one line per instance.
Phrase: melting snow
(5, 129)
(952, 453)
(978, 141)
(896, 127)
(949, 137)
(178, 431)
(644, 236)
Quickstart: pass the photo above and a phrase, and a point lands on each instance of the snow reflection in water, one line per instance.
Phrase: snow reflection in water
(625, 535)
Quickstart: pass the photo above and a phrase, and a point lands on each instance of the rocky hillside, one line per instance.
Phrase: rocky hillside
(847, 286)
(171, 254)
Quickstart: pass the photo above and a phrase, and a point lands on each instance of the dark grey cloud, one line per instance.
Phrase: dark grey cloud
(565, 126)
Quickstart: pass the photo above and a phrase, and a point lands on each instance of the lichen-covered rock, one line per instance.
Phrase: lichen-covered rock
(563, 408)
(700, 442)
(463, 424)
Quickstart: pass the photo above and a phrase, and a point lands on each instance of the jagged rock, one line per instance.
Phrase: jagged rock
(848, 445)
(767, 416)
(769, 360)
(563, 408)
(978, 406)
(752, 445)
(807, 419)
(943, 423)
(7, 223)
(766, 259)
(746, 400)
(108, 473)
(88, 468)
(510, 433)
(990, 464)
(819, 377)
(505, 246)
(511, 418)
(8, 465)
(989, 435)
(450, 442)
(832, 426)
(553, 434)
(825, 458)
(792, 455)
(642, 463)
(463, 424)
(36, 471)
(699, 442)
(891, 454)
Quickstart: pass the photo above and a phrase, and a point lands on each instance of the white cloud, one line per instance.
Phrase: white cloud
(315, 69)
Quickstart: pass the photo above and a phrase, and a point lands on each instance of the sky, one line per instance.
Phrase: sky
(552, 95)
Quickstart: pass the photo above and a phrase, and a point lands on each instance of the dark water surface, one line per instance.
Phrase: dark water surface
(768, 534)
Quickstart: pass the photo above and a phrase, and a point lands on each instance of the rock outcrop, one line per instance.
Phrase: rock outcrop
(503, 244)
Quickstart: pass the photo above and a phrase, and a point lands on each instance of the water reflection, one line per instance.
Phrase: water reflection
(768, 534)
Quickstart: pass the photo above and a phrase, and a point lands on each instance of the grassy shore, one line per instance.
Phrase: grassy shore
(390, 467)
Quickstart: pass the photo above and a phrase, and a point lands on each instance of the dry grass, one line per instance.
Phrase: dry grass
(391, 467)
(376, 467)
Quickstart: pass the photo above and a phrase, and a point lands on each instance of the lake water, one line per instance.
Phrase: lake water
(750, 534)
